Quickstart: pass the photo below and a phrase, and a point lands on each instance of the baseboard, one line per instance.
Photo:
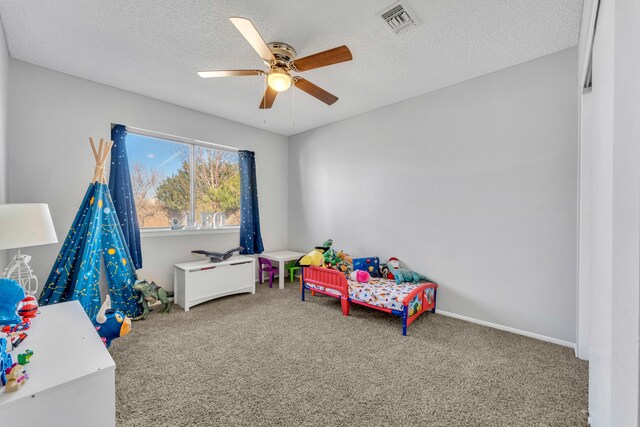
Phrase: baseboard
(509, 329)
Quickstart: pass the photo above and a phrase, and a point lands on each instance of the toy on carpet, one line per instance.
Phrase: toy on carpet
(28, 307)
(150, 293)
(111, 323)
(11, 293)
(360, 276)
(218, 256)
(25, 358)
(315, 258)
(16, 377)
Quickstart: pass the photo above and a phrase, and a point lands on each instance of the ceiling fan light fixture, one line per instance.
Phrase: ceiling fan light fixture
(279, 80)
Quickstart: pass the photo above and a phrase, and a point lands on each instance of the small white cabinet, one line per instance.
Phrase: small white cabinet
(71, 374)
(201, 281)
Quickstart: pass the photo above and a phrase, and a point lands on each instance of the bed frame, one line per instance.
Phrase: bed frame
(335, 280)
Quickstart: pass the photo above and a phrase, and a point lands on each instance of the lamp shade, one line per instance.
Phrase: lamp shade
(26, 224)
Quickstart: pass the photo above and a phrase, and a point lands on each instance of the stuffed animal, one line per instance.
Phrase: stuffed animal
(110, 323)
(360, 276)
(315, 258)
(11, 293)
(331, 257)
(345, 257)
(393, 264)
(151, 293)
(405, 275)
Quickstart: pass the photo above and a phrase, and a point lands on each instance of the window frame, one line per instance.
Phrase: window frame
(192, 143)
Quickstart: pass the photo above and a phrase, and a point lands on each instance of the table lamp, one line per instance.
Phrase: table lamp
(23, 225)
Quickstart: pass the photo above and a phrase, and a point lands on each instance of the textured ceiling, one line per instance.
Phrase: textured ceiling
(155, 47)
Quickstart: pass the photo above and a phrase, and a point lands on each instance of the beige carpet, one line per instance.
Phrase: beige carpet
(271, 360)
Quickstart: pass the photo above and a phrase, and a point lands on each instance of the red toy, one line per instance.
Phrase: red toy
(28, 307)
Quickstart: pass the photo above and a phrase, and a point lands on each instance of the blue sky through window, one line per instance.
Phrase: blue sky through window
(165, 156)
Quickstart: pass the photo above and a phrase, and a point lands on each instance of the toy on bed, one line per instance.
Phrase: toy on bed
(315, 257)
(360, 276)
(111, 323)
(407, 300)
(331, 257)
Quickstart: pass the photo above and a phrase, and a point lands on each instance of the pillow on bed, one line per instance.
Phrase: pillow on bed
(370, 264)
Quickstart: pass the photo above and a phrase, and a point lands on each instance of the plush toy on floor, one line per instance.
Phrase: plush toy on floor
(150, 293)
(360, 276)
(110, 323)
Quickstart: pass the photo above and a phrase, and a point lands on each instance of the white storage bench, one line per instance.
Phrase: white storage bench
(201, 281)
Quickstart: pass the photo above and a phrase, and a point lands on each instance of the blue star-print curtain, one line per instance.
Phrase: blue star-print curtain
(250, 238)
(95, 235)
(120, 187)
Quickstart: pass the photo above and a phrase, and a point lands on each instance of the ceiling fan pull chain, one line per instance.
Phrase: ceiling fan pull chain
(293, 105)
(264, 110)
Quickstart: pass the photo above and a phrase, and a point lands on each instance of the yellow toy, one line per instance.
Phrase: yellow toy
(315, 257)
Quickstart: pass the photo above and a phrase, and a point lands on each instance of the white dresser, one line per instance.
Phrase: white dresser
(72, 375)
(200, 281)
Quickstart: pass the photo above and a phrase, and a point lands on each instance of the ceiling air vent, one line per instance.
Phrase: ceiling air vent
(399, 17)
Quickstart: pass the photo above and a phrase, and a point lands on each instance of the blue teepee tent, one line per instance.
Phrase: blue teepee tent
(95, 236)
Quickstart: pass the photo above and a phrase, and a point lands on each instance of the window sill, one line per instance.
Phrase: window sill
(164, 232)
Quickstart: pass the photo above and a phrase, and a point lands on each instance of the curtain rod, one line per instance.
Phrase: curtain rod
(155, 134)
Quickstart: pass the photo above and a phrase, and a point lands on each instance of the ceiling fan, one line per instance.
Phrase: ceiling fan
(281, 60)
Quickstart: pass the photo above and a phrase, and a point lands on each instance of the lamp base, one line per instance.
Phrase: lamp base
(19, 270)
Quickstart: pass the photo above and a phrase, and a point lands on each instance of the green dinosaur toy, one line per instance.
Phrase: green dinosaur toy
(150, 293)
(330, 256)
(406, 275)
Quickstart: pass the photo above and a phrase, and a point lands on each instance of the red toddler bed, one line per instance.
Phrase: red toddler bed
(407, 300)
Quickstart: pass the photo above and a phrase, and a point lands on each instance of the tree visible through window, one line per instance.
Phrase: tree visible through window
(164, 173)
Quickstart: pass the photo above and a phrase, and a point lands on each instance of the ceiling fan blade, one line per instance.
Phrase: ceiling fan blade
(315, 91)
(250, 33)
(230, 73)
(268, 98)
(322, 59)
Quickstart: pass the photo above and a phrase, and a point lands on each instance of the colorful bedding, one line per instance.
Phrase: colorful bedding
(380, 292)
(408, 300)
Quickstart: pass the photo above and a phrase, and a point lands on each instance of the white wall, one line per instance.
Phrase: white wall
(610, 215)
(52, 116)
(4, 77)
(474, 185)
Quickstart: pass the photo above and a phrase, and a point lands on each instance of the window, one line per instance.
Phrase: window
(180, 184)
